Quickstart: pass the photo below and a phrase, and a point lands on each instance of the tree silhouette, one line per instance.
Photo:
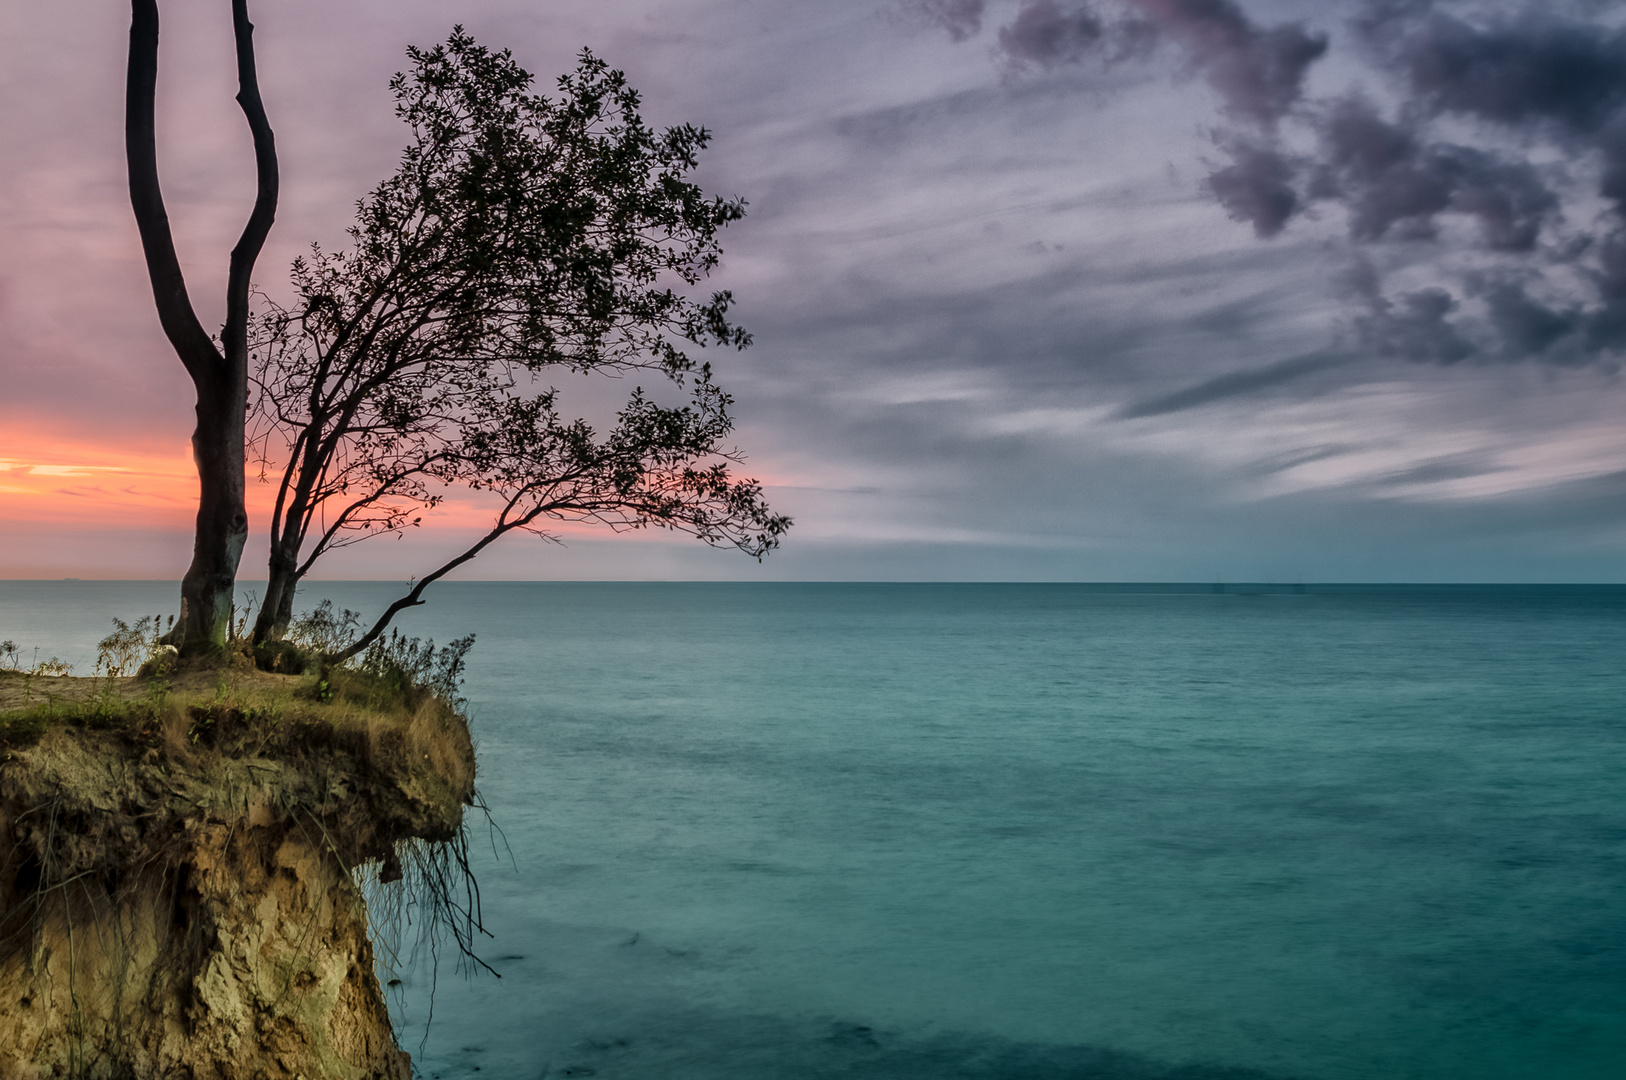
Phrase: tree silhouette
(521, 237)
(219, 368)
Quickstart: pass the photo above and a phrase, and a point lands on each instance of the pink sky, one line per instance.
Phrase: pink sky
(1002, 328)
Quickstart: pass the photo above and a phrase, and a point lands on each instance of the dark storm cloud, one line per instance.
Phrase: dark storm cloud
(1393, 181)
(1257, 187)
(1532, 67)
(1532, 74)
(1572, 333)
(1545, 98)
(1258, 71)
(1532, 80)
(1414, 326)
(1527, 327)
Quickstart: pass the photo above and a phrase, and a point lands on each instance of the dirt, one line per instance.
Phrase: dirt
(191, 908)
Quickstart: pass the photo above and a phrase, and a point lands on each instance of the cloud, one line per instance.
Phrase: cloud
(1513, 123)
(1526, 326)
(1257, 186)
(1234, 384)
(1492, 118)
(1532, 67)
(1389, 177)
(1533, 74)
(1258, 71)
(1044, 34)
(962, 19)
(1415, 327)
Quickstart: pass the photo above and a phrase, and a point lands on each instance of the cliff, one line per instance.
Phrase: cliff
(179, 871)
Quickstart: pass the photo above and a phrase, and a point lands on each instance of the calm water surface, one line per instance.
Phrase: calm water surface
(1024, 832)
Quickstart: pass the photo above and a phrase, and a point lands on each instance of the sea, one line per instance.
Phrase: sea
(756, 831)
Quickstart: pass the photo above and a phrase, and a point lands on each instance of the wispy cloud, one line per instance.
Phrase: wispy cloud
(1006, 275)
(1234, 384)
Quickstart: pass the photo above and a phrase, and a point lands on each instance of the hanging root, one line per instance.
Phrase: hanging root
(423, 895)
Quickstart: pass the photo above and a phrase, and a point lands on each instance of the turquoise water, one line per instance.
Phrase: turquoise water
(1025, 831)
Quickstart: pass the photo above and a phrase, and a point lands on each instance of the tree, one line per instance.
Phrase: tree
(219, 368)
(521, 236)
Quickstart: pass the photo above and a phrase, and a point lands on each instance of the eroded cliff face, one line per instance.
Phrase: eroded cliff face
(185, 904)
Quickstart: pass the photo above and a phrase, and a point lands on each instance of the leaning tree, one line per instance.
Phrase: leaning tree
(522, 237)
(218, 367)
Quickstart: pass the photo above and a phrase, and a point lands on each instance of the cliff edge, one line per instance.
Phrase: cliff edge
(179, 866)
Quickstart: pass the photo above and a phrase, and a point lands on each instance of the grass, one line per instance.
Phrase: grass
(388, 724)
(20, 730)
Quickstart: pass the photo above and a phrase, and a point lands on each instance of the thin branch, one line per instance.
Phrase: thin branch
(413, 598)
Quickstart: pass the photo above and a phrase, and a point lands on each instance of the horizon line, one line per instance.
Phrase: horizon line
(1191, 582)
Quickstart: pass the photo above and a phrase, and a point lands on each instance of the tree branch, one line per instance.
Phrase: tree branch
(175, 313)
(260, 220)
(412, 599)
(385, 489)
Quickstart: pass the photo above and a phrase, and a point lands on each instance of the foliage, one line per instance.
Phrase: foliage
(11, 663)
(129, 647)
(322, 630)
(393, 670)
(20, 730)
(415, 667)
(521, 236)
(319, 633)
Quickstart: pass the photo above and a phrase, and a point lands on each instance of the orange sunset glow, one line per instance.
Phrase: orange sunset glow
(46, 478)
(85, 483)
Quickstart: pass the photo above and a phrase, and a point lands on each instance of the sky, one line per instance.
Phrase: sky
(1128, 290)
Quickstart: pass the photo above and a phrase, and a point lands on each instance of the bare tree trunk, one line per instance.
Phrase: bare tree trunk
(219, 374)
(208, 589)
(277, 610)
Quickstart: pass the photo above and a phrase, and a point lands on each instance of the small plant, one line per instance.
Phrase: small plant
(237, 627)
(11, 665)
(408, 665)
(53, 666)
(157, 685)
(324, 631)
(128, 647)
(312, 638)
